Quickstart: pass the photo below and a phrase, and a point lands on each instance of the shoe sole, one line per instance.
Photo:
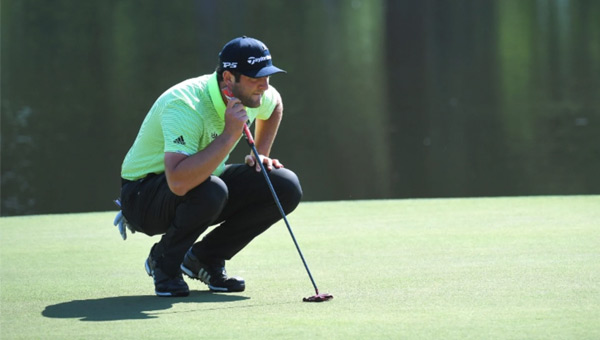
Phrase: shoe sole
(225, 290)
(171, 294)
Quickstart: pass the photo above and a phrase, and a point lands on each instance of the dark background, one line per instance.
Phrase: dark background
(383, 99)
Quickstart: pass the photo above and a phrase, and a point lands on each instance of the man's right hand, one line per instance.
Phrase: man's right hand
(235, 118)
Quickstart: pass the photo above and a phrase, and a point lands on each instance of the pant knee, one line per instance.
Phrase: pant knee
(206, 201)
(288, 189)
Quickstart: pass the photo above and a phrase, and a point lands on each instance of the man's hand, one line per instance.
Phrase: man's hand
(121, 222)
(269, 163)
(235, 118)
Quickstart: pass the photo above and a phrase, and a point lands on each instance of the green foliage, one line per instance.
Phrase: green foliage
(383, 99)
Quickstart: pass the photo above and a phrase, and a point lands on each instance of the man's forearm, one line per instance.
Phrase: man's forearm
(266, 131)
(185, 173)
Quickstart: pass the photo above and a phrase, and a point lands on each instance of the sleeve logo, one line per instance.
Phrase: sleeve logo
(179, 140)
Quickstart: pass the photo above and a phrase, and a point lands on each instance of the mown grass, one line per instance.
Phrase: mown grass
(485, 268)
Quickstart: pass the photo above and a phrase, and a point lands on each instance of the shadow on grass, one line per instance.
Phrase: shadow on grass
(129, 307)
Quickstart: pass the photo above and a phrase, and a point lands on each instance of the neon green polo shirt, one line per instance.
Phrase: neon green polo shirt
(185, 119)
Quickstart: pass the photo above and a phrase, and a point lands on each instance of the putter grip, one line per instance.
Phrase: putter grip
(248, 134)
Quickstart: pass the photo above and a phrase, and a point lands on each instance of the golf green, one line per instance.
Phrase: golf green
(481, 268)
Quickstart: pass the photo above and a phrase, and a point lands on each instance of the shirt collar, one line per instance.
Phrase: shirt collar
(215, 95)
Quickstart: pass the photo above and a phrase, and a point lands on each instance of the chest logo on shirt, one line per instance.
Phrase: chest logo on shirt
(214, 135)
(179, 140)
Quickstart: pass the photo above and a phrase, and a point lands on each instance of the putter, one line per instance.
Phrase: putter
(318, 297)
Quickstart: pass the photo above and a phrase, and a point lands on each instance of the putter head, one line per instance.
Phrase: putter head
(318, 298)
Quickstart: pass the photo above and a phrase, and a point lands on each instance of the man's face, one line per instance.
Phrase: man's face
(250, 90)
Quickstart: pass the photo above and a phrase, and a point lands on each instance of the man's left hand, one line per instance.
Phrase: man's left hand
(269, 163)
(121, 222)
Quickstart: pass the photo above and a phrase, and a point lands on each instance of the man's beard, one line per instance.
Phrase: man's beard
(248, 101)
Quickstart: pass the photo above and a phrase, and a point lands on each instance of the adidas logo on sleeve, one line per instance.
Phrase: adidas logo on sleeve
(179, 140)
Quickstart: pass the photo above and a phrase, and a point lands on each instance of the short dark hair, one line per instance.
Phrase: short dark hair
(220, 71)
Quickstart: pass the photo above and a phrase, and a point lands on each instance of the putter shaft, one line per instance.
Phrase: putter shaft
(250, 141)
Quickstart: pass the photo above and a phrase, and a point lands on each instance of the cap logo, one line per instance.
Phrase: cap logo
(254, 60)
(227, 64)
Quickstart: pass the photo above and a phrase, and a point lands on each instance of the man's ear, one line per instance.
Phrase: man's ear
(228, 78)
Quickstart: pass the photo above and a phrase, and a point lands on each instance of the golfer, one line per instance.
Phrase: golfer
(175, 180)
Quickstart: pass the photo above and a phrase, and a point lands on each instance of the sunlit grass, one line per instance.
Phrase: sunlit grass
(488, 268)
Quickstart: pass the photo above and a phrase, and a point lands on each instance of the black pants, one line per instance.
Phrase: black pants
(239, 201)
